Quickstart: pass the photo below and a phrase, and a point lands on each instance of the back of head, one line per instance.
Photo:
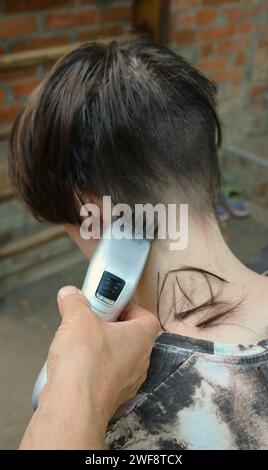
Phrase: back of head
(132, 120)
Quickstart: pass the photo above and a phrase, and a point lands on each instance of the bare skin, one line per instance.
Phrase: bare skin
(207, 250)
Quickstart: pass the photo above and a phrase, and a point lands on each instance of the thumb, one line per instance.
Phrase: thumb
(71, 302)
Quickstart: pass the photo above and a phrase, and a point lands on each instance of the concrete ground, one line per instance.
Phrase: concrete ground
(28, 319)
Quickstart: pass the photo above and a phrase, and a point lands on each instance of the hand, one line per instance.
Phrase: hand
(93, 368)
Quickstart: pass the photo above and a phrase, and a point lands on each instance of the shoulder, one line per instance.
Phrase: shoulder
(124, 427)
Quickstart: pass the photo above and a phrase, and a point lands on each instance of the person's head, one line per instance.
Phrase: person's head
(132, 120)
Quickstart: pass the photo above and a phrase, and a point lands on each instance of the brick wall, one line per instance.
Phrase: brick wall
(228, 39)
(34, 24)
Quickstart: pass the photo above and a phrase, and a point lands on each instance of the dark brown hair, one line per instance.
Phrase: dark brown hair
(124, 119)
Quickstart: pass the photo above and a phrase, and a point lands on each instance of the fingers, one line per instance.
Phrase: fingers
(72, 301)
(142, 317)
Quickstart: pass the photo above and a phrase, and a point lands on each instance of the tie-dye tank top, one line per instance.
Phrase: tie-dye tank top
(198, 395)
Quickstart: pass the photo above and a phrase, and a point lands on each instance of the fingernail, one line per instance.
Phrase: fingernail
(67, 290)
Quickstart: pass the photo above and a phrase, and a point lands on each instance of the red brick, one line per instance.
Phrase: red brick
(237, 13)
(191, 20)
(263, 42)
(119, 13)
(206, 49)
(13, 26)
(218, 32)
(72, 18)
(213, 63)
(206, 16)
(184, 21)
(246, 28)
(262, 28)
(257, 93)
(231, 45)
(258, 90)
(240, 58)
(217, 2)
(8, 113)
(182, 37)
(18, 6)
(39, 43)
(11, 76)
(23, 89)
(225, 75)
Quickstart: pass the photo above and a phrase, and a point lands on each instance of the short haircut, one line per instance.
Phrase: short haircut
(132, 120)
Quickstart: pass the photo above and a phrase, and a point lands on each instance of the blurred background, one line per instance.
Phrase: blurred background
(228, 40)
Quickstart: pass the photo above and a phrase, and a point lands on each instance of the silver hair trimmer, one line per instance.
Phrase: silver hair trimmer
(110, 282)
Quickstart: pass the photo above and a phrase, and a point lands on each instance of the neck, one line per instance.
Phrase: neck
(208, 251)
